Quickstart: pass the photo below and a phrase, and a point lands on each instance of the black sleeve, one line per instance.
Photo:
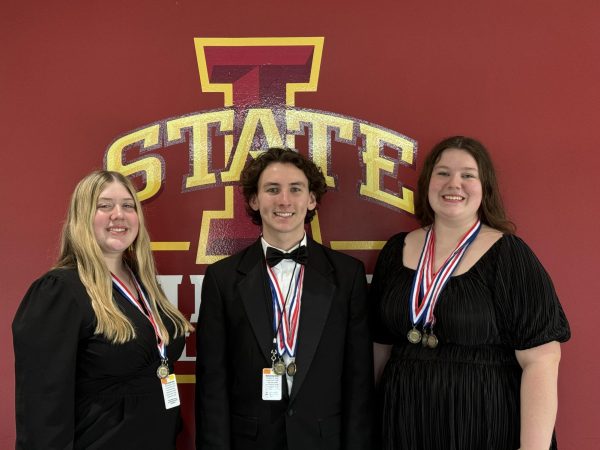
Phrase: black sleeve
(358, 369)
(46, 331)
(530, 312)
(388, 261)
(212, 401)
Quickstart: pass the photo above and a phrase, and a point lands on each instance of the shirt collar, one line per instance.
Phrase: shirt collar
(265, 244)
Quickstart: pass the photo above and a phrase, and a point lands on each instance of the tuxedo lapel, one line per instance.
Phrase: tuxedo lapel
(317, 295)
(252, 291)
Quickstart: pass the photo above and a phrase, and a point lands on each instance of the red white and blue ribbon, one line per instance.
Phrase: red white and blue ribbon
(147, 312)
(286, 318)
(428, 285)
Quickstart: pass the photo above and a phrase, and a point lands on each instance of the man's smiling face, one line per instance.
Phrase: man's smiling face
(283, 199)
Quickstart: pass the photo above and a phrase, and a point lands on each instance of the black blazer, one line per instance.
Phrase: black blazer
(330, 404)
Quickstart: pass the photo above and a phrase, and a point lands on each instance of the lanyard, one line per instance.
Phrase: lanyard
(427, 285)
(285, 322)
(120, 286)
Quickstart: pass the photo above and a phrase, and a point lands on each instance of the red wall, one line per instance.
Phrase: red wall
(520, 76)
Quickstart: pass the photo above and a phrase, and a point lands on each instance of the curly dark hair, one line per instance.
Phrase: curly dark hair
(251, 174)
(491, 211)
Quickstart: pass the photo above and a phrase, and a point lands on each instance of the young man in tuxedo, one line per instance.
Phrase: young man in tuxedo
(284, 358)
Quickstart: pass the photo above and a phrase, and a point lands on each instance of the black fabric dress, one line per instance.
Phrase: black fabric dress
(463, 395)
(75, 390)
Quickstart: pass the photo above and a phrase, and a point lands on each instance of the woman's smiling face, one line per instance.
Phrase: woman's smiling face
(455, 190)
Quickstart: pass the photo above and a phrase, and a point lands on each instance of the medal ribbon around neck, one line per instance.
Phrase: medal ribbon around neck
(288, 333)
(427, 285)
(120, 286)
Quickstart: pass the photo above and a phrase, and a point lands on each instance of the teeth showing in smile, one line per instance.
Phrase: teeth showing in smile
(453, 197)
(283, 214)
(116, 230)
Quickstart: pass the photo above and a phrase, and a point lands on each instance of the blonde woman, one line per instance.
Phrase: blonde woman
(95, 338)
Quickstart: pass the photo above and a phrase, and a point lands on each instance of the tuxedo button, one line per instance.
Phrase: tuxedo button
(291, 412)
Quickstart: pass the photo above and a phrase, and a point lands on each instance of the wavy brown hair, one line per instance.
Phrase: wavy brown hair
(491, 211)
(251, 174)
(80, 250)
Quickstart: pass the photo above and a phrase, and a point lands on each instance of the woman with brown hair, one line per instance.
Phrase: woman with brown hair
(468, 318)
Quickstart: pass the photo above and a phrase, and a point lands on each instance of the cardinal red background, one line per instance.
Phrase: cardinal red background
(520, 76)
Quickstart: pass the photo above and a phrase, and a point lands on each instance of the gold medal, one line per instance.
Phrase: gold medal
(414, 336)
(162, 371)
(424, 339)
(279, 367)
(291, 369)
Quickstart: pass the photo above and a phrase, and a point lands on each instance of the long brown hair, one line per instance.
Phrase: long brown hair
(80, 250)
(491, 211)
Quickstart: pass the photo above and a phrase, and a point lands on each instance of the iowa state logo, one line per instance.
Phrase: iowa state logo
(187, 167)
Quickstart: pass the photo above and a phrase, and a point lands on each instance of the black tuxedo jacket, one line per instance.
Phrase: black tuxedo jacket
(330, 404)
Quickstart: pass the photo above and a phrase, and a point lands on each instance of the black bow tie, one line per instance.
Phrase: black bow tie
(274, 256)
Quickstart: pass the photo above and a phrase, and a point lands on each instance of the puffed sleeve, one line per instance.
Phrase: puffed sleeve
(387, 266)
(46, 332)
(530, 312)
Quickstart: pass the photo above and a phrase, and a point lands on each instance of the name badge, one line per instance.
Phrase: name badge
(272, 387)
(170, 391)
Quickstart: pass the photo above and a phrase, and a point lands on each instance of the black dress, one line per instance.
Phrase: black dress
(463, 395)
(76, 390)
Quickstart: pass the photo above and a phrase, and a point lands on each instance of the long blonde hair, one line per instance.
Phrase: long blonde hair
(80, 250)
